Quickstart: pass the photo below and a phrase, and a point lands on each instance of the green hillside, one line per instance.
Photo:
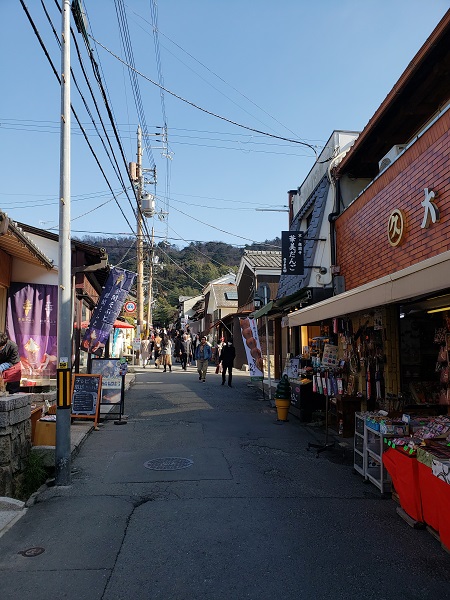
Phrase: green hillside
(177, 271)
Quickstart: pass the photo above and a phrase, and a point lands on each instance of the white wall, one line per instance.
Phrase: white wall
(23, 272)
(340, 141)
(49, 247)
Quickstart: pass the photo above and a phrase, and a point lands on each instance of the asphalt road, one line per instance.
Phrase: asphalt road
(202, 495)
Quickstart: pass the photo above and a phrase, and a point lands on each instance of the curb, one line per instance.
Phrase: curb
(11, 511)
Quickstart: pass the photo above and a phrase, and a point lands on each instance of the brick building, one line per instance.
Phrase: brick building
(392, 269)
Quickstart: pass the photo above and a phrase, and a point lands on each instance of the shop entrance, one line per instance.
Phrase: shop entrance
(424, 345)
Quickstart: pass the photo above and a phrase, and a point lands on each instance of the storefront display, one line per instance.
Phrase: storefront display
(418, 463)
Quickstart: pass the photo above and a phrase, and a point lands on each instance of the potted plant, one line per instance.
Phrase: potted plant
(283, 398)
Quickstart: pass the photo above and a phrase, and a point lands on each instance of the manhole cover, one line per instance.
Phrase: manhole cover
(30, 552)
(168, 464)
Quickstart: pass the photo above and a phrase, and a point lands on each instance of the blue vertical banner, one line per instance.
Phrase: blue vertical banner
(107, 310)
(292, 260)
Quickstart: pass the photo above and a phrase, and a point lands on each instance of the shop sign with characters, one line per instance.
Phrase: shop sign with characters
(292, 261)
(252, 347)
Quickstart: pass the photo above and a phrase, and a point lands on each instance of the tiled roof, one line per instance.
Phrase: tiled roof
(266, 259)
(290, 284)
(221, 299)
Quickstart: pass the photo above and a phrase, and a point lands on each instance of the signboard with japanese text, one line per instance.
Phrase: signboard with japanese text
(252, 347)
(110, 370)
(107, 310)
(292, 260)
(86, 396)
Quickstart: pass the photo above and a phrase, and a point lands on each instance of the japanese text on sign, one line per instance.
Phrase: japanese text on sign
(292, 253)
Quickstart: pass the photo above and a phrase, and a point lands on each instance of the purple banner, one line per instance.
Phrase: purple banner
(31, 321)
(107, 310)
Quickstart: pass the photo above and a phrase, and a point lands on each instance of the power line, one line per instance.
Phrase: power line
(278, 137)
(221, 230)
(218, 77)
(36, 32)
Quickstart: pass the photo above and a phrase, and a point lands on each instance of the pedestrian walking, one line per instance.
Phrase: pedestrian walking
(203, 355)
(227, 356)
(157, 349)
(177, 345)
(185, 350)
(218, 350)
(145, 351)
(195, 343)
(166, 353)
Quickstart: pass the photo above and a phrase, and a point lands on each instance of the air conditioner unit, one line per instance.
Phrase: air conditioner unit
(391, 156)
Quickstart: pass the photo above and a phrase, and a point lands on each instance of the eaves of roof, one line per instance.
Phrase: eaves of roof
(15, 242)
(421, 91)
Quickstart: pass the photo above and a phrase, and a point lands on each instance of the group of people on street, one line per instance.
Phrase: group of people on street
(186, 348)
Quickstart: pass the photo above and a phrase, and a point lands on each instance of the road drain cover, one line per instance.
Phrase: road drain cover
(30, 552)
(168, 464)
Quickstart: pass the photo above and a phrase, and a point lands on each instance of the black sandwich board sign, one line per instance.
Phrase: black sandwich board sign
(86, 391)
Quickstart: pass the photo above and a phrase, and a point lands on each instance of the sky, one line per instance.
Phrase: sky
(295, 69)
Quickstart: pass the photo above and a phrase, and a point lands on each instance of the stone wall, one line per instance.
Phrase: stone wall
(15, 437)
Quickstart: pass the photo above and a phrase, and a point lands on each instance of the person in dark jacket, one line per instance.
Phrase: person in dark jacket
(227, 356)
(9, 356)
(177, 346)
(185, 350)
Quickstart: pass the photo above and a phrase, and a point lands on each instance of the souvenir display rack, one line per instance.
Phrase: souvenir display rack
(372, 432)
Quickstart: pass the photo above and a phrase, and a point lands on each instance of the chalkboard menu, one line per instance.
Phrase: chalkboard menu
(86, 396)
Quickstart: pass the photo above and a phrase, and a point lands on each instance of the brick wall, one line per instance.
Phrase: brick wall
(363, 249)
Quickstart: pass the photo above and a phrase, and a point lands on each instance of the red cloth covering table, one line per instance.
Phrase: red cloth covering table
(403, 469)
(429, 491)
(442, 476)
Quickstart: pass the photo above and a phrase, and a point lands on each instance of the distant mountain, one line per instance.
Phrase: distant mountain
(177, 271)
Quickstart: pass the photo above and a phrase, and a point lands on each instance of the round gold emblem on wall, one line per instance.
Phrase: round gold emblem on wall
(396, 227)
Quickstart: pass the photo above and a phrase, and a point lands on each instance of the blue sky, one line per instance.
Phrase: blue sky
(296, 69)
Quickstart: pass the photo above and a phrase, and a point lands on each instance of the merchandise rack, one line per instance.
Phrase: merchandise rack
(375, 470)
(359, 445)
(368, 451)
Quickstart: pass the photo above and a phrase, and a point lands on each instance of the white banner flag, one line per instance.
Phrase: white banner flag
(252, 347)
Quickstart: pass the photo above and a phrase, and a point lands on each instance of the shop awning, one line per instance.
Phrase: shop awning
(429, 276)
(262, 311)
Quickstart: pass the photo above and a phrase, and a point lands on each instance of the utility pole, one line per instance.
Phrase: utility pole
(150, 286)
(64, 347)
(139, 241)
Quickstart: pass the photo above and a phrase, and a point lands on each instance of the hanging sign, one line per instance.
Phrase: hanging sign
(292, 260)
(107, 310)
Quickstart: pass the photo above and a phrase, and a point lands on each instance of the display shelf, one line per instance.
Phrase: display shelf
(360, 424)
(368, 451)
(375, 470)
(358, 463)
(358, 445)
